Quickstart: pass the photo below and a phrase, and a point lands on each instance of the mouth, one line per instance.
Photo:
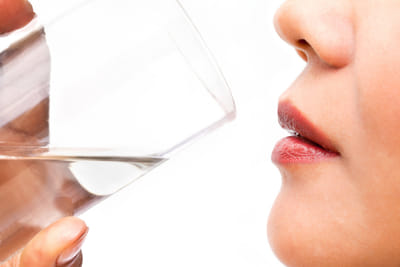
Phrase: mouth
(307, 143)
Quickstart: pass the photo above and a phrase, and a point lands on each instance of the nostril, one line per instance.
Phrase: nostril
(302, 54)
(302, 43)
(301, 48)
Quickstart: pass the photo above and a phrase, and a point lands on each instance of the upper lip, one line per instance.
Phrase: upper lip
(291, 119)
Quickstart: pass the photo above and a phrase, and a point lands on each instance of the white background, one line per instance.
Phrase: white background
(208, 206)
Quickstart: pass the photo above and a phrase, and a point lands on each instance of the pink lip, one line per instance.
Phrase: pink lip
(309, 145)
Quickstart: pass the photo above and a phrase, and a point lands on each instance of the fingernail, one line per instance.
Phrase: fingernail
(71, 252)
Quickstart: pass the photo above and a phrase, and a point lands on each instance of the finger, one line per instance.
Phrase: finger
(32, 123)
(14, 14)
(57, 245)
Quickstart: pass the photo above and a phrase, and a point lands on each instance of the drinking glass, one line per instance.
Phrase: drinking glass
(93, 95)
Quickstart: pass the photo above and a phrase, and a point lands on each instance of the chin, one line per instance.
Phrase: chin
(305, 230)
(291, 237)
(298, 241)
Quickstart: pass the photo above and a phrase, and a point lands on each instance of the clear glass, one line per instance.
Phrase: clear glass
(94, 94)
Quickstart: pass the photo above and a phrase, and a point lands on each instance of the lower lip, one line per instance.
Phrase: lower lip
(295, 149)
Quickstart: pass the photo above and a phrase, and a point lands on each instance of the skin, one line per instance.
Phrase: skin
(14, 14)
(59, 244)
(344, 211)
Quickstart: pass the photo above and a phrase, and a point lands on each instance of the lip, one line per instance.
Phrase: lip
(307, 144)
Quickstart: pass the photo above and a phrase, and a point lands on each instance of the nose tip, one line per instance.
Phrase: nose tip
(318, 29)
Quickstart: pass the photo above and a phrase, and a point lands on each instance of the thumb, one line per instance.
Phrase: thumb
(14, 14)
(57, 245)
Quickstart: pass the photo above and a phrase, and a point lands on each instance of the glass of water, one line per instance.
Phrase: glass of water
(93, 95)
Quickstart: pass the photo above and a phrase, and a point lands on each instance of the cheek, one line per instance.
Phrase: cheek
(377, 72)
(379, 104)
(374, 161)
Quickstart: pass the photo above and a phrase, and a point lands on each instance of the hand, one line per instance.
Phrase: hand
(57, 245)
(14, 14)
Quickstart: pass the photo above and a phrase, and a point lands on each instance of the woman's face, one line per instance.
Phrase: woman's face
(339, 203)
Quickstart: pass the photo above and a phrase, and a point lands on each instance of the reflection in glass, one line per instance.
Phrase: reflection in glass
(88, 105)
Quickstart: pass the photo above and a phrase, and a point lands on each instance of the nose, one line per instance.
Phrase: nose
(319, 30)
